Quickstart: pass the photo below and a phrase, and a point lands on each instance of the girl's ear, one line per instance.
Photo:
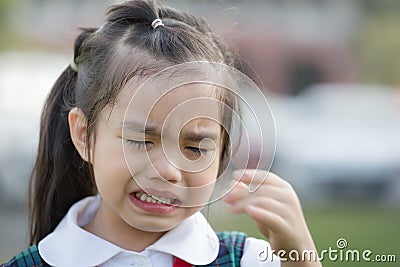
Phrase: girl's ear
(78, 131)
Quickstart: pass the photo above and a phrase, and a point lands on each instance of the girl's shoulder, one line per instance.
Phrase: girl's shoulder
(27, 258)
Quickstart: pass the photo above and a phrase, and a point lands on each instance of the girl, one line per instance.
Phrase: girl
(95, 202)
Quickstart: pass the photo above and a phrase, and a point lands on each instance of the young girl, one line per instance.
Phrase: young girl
(95, 202)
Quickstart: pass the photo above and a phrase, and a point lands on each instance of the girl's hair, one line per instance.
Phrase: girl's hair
(125, 46)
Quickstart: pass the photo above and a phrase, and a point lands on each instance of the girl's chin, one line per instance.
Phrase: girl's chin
(154, 226)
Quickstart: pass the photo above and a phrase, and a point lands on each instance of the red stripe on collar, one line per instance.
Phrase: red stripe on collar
(181, 263)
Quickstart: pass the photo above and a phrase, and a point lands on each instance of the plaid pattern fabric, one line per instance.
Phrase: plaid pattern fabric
(229, 255)
(230, 249)
(27, 258)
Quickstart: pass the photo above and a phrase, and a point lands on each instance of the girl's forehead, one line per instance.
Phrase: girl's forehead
(184, 103)
(159, 92)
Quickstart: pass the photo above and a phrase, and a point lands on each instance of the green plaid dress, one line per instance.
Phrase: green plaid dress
(229, 255)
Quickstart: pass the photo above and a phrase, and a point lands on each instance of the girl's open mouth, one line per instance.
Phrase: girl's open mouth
(155, 199)
(157, 202)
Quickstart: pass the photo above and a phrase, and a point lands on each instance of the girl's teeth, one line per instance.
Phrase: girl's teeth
(148, 198)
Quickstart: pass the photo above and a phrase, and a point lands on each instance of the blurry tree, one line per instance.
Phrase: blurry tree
(379, 5)
(378, 44)
(4, 4)
(5, 30)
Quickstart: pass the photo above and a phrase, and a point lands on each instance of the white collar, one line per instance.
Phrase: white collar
(70, 245)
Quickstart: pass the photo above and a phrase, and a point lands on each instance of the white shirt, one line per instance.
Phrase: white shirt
(193, 241)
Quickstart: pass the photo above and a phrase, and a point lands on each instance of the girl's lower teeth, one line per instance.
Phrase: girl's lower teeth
(150, 199)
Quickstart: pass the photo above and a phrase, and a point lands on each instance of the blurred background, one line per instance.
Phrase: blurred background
(330, 70)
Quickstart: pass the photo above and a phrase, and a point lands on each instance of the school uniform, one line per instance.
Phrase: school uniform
(192, 242)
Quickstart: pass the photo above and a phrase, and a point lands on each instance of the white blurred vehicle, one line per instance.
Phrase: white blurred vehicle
(26, 78)
(340, 142)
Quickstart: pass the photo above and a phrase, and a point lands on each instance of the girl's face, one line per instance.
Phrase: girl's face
(155, 169)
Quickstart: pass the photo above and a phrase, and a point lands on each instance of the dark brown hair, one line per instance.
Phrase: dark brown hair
(107, 58)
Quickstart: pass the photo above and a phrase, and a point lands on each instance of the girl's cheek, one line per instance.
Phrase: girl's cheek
(137, 162)
(202, 178)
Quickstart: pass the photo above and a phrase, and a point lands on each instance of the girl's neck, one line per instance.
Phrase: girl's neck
(110, 227)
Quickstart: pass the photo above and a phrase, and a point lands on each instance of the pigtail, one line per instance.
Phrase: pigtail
(60, 177)
(228, 56)
(133, 12)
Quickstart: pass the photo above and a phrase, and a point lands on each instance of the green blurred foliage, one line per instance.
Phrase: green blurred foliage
(4, 7)
(6, 39)
(378, 43)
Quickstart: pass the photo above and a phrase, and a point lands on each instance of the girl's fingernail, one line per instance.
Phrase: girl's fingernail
(237, 174)
(252, 210)
(243, 185)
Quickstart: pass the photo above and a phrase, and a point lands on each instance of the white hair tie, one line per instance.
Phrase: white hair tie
(156, 23)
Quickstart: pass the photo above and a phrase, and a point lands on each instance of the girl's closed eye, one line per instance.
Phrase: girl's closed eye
(196, 152)
(139, 145)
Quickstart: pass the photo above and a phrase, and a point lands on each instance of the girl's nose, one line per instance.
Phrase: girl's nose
(166, 169)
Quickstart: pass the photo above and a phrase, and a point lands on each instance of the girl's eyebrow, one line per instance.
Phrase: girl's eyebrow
(140, 127)
(199, 136)
(148, 129)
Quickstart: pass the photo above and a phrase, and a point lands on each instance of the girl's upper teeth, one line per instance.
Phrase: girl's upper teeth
(152, 199)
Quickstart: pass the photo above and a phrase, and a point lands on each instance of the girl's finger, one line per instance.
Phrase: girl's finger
(238, 192)
(260, 202)
(241, 191)
(258, 177)
(272, 220)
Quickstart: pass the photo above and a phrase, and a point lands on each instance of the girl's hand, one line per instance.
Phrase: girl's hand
(276, 211)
